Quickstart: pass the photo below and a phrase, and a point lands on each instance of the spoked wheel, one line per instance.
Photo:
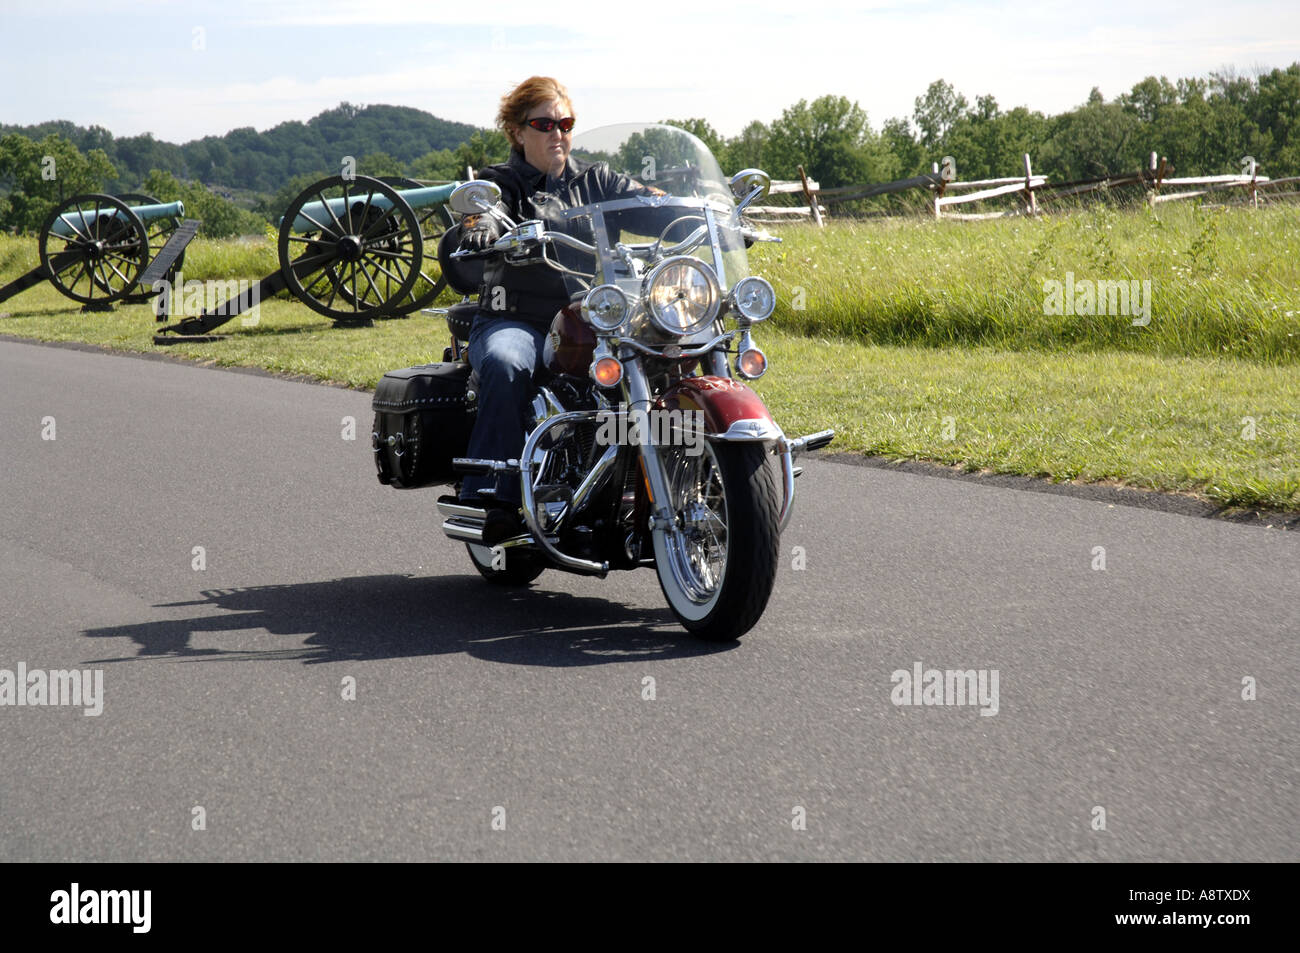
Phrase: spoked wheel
(350, 249)
(432, 225)
(717, 565)
(94, 248)
(519, 568)
(158, 230)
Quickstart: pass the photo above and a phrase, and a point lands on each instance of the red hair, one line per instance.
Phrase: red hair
(523, 99)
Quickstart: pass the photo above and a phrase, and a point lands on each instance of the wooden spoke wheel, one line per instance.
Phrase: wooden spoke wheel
(94, 248)
(433, 222)
(432, 226)
(350, 248)
(159, 230)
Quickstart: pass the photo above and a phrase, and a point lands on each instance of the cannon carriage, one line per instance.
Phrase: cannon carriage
(96, 248)
(352, 248)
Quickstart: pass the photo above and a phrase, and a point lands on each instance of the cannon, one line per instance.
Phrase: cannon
(350, 248)
(95, 248)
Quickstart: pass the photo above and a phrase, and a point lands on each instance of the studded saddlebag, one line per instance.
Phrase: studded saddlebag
(422, 423)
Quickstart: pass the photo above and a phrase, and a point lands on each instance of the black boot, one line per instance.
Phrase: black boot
(502, 522)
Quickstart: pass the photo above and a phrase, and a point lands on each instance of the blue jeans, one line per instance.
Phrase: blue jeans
(505, 353)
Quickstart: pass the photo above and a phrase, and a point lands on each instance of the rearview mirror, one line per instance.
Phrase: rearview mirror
(475, 198)
(747, 180)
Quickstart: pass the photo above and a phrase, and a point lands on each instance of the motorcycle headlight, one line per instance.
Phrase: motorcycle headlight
(753, 299)
(605, 307)
(682, 295)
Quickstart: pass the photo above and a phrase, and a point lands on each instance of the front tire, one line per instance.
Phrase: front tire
(718, 566)
(520, 568)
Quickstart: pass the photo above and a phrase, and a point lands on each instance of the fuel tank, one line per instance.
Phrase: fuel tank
(570, 344)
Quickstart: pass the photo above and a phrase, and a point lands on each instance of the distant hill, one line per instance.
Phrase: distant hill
(246, 159)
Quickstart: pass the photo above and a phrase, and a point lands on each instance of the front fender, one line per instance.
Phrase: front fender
(731, 410)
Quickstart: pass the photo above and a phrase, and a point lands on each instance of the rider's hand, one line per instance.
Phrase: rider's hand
(478, 232)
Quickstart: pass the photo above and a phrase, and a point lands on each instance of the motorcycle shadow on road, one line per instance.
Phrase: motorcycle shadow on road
(400, 616)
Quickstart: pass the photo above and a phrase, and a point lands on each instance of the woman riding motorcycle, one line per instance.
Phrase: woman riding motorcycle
(518, 302)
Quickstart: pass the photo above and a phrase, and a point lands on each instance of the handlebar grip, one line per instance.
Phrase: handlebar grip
(467, 253)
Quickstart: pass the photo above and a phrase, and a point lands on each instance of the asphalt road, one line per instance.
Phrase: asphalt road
(493, 725)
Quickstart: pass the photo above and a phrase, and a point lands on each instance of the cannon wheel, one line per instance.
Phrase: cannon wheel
(101, 260)
(432, 225)
(159, 231)
(356, 264)
(431, 229)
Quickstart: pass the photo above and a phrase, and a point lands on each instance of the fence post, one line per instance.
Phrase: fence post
(812, 198)
(938, 194)
(1029, 187)
(1160, 172)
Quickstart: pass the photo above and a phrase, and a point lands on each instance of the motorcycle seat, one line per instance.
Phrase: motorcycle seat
(460, 317)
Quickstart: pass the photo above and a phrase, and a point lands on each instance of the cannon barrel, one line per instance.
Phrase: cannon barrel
(69, 223)
(314, 215)
(350, 248)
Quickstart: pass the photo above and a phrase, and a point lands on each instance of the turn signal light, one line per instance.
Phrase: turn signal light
(751, 363)
(607, 371)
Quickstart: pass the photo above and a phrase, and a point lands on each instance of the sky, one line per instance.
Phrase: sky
(183, 70)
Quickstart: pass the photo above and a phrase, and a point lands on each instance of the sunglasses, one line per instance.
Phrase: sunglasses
(546, 123)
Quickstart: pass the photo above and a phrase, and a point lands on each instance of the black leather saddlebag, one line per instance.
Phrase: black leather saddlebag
(422, 423)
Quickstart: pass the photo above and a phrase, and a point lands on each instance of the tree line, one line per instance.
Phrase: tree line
(1204, 126)
(245, 159)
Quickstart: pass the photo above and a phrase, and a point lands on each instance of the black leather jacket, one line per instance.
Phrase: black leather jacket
(534, 292)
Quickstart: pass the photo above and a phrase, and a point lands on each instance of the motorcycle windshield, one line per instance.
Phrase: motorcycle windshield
(662, 157)
(667, 197)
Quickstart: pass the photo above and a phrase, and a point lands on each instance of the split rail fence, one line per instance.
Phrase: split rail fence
(1031, 192)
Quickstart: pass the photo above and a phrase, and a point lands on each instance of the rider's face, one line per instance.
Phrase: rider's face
(547, 151)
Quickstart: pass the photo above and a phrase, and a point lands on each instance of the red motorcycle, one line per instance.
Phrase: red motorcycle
(645, 450)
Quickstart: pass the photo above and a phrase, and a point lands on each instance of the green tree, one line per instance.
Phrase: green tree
(701, 130)
(437, 164)
(379, 164)
(42, 174)
(747, 150)
(1275, 110)
(1092, 141)
(485, 147)
(831, 139)
(909, 154)
(1150, 98)
(275, 205)
(221, 218)
(988, 143)
(937, 111)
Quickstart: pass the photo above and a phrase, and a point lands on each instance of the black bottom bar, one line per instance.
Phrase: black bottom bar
(923, 906)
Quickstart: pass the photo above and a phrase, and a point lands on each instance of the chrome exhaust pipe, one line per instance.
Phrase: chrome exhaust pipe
(460, 511)
(464, 529)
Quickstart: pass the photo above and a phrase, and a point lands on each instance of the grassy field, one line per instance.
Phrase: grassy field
(1222, 281)
(927, 340)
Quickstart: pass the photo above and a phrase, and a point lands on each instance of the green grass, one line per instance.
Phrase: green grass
(1174, 424)
(1223, 282)
(907, 323)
